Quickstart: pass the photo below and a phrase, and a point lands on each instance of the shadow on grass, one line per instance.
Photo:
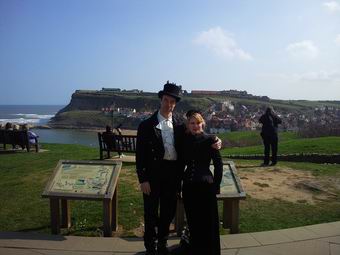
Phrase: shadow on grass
(7, 151)
(33, 229)
(248, 166)
(30, 236)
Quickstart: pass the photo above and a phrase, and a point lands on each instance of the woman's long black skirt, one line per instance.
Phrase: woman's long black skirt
(200, 205)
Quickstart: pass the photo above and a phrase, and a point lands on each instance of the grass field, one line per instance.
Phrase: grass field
(23, 177)
(327, 145)
(249, 138)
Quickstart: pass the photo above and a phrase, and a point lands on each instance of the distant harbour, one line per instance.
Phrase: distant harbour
(67, 136)
(38, 116)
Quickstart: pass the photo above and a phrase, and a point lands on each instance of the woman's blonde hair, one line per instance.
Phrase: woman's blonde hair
(197, 116)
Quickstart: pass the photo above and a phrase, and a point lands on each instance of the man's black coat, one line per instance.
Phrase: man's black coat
(150, 149)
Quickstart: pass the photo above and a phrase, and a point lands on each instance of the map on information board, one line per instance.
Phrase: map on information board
(82, 178)
(228, 185)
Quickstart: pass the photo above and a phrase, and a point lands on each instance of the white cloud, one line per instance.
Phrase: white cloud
(337, 40)
(304, 49)
(332, 6)
(222, 44)
(320, 76)
(317, 76)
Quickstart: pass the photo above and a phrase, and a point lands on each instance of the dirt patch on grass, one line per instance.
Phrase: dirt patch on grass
(287, 184)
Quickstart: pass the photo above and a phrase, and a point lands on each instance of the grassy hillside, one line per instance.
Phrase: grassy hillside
(91, 119)
(249, 138)
(289, 145)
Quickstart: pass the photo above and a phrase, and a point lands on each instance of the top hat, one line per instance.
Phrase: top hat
(171, 89)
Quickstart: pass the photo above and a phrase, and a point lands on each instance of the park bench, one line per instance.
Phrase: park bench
(231, 194)
(17, 138)
(111, 142)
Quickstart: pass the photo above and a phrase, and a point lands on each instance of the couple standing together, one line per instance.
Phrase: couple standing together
(169, 152)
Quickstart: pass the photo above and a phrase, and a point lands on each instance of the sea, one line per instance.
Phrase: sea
(38, 115)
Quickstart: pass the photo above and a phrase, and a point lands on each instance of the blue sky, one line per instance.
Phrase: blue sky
(282, 49)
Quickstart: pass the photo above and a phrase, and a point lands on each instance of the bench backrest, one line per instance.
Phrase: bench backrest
(117, 143)
(126, 143)
(16, 137)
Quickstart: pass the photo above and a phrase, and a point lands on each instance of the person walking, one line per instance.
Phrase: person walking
(270, 122)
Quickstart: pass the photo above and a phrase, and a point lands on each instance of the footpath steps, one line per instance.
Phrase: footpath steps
(314, 239)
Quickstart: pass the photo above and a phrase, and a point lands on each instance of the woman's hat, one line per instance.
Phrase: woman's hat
(171, 89)
(192, 112)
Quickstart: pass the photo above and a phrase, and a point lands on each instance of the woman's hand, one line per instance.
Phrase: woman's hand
(218, 144)
(145, 188)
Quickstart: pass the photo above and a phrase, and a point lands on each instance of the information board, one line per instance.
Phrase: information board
(87, 179)
(228, 184)
(80, 178)
(83, 180)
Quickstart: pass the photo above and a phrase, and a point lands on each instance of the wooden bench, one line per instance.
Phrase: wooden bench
(17, 138)
(231, 194)
(111, 142)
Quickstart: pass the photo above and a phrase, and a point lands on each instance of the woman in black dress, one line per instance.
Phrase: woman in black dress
(200, 187)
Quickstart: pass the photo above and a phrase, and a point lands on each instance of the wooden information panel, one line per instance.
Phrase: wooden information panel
(231, 192)
(230, 186)
(83, 180)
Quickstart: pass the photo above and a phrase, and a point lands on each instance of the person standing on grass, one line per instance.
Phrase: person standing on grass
(159, 169)
(270, 122)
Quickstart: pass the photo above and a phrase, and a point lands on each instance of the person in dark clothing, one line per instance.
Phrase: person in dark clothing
(270, 122)
(159, 168)
(200, 187)
(109, 138)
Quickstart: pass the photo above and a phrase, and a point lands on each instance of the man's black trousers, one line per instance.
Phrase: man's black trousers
(160, 205)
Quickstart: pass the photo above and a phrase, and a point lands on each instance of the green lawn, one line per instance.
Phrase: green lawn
(287, 145)
(249, 138)
(23, 177)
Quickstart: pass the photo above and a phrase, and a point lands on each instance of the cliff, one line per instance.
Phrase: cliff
(85, 107)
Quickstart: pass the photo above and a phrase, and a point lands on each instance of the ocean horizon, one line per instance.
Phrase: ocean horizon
(38, 115)
(28, 114)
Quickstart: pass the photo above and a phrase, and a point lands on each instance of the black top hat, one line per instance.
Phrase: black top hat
(171, 89)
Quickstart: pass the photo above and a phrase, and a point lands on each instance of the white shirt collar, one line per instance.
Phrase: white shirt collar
(162, 118)
(164, 123)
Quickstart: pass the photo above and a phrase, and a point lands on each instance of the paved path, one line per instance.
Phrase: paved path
(309, 240)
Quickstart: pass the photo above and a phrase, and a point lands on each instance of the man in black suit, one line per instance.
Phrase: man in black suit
(158, 168)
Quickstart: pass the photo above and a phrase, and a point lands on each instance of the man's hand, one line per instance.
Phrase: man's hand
(218, 144)
(145, 188)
